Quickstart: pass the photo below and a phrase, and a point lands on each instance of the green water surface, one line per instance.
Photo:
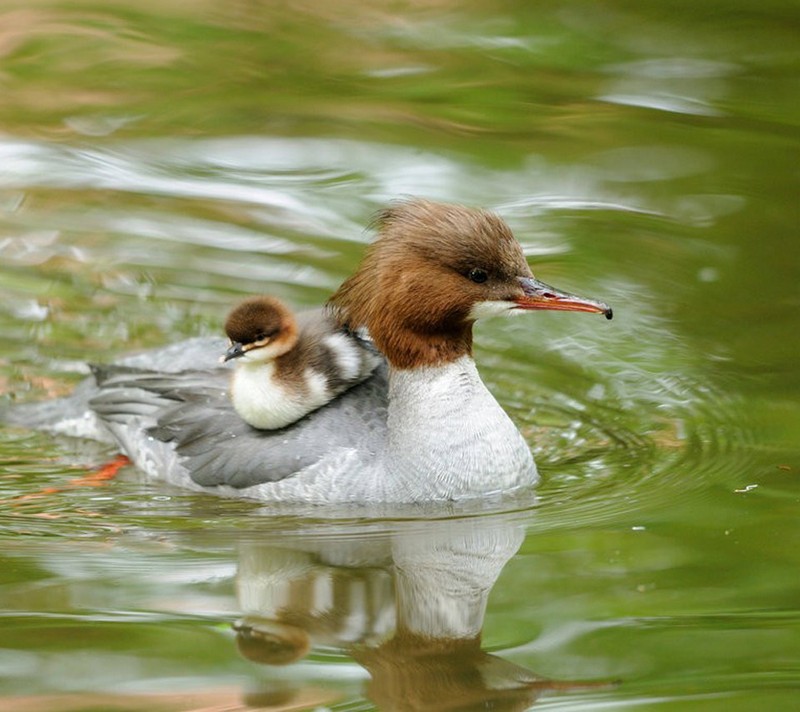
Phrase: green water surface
(160, 160)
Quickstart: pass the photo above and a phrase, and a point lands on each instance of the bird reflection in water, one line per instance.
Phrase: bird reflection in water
(407, 604)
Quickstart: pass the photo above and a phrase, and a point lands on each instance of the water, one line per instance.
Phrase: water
(160, 160)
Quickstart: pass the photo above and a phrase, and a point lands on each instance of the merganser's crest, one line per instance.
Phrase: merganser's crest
(433, 270)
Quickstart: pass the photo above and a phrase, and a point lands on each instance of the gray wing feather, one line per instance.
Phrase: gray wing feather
(169, 407)
(191, 410)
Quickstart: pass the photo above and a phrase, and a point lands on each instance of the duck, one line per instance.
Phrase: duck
(287, 366)
(422, 427)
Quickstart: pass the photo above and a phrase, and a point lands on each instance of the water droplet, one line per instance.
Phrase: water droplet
(708, 274)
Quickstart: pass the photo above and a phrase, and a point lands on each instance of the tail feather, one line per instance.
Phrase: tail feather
(71, 415)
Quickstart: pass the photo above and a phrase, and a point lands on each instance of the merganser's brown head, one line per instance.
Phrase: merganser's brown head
(433, 270)
(260, 329)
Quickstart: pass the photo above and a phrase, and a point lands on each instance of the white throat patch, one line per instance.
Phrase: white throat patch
(493, 307)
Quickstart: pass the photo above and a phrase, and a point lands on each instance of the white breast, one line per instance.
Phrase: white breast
(448, 436)
(267, 403)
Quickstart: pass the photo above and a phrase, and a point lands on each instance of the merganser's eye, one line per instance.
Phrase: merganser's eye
(478, 275)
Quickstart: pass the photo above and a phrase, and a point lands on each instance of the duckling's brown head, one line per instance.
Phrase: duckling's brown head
(260, 328)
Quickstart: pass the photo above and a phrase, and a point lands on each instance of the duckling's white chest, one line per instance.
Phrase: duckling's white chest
(267, 402)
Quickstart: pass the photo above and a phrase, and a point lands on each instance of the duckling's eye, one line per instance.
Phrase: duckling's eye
(266, 333)
(478, 275)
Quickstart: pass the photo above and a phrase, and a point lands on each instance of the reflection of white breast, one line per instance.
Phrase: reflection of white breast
(266, 402)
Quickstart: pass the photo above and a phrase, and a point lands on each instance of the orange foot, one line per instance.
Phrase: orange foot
(93, 479)
(101, 475)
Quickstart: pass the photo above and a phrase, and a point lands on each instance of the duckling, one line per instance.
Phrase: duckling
(288, 367)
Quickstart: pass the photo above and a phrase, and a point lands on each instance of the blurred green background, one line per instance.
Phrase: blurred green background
(159, 160)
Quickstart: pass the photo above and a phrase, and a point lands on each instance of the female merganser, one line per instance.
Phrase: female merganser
(287, 367)
(425, 428)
